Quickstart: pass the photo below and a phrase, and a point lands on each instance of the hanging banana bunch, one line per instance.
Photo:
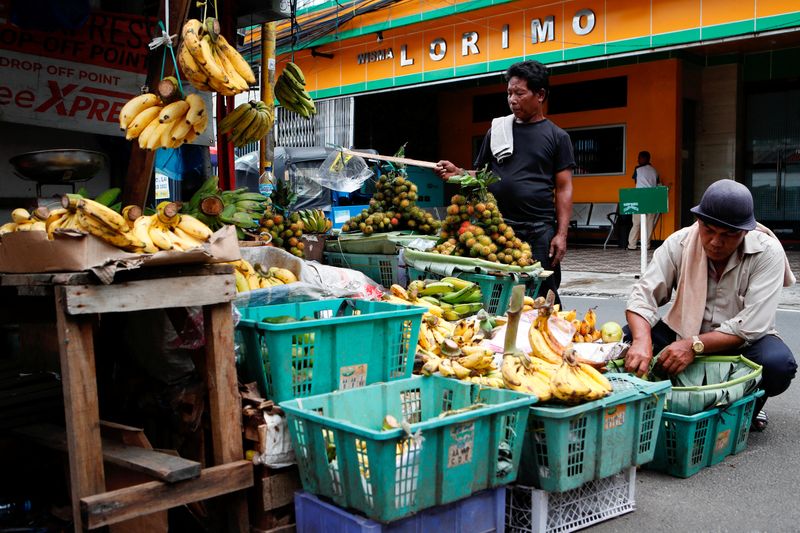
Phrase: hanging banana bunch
(159, 125)
(210, 62)
(248, 123)
(290, 90)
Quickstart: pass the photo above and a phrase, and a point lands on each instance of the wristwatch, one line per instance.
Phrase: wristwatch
(697, 345)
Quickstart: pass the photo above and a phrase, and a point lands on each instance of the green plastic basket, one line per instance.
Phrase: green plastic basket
(343, 454)
(689, 443)
(360, 343)
(383, 269)
(496, 290)
(566, 447)
(709, 381)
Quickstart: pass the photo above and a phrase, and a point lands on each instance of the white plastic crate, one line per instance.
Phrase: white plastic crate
(530, 510)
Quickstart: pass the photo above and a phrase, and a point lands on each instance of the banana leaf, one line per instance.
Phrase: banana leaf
(447, 264)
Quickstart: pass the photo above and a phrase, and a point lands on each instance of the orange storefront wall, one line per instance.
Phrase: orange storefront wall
(651, 118)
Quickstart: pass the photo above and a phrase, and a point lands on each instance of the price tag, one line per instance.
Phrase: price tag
(162, 186)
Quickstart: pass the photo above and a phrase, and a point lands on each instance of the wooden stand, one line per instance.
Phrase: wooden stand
(79, 296)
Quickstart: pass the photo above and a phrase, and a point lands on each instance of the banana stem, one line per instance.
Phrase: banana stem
(514, 312)
(211, 205)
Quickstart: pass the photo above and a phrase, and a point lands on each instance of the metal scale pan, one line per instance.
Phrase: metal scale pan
(58, 167)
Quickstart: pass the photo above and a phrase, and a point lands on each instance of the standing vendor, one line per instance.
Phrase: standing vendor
(534, 160)
(727, 273)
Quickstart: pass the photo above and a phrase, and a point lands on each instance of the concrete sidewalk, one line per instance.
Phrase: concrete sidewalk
(592, 271)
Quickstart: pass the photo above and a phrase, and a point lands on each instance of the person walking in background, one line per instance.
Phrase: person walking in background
(727, 272)
(645, 175)
(534, 160)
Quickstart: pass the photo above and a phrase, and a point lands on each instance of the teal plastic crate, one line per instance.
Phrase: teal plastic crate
(343, 454)
(496, 290)
(335, 344)
(566, 447)
(380, 268)
(689, 443)
(483, 512)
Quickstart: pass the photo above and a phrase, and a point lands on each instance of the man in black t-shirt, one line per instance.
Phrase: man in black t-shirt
(534, 160)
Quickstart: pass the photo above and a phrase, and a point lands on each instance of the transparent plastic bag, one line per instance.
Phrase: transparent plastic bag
(342, 172)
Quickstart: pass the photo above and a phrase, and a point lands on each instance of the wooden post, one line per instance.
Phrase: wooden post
(266, 151)
(140, 167)
(76, 351)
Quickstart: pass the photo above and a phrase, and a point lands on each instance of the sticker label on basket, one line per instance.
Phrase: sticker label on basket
(460, 452)
(723, 439)
(614, 417)
(352, 377)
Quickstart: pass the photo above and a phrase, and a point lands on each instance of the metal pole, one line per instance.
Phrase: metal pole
(643, 238)
(266, 151)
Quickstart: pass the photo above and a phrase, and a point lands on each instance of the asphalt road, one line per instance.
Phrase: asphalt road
(756, 490)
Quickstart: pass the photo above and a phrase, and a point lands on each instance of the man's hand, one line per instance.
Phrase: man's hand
(445, 170)
(558, 249)
(638, 358)
(677, 356)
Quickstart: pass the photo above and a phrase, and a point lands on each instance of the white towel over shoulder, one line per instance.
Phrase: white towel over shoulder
(502, 137)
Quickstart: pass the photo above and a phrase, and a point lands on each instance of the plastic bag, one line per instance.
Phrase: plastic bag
(278, 451)
(342, 172)
(317, 281)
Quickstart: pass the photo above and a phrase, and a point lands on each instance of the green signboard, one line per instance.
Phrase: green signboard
(643, 201)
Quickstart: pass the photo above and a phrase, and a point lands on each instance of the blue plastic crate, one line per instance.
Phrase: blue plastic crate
(480, 513)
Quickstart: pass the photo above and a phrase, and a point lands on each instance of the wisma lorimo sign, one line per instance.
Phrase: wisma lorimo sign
(541, 30)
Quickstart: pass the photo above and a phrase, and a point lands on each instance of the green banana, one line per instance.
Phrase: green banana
(450, 315)
(250, 205)
(476, 296)
(109, 196)
(458, 283)
(296, 72)
(430, 299)
(459, 296)
(210, 186)
(467, 309)
(83, 191)
(231, 119)
(253, 196)
(245, 221)
(435, 288)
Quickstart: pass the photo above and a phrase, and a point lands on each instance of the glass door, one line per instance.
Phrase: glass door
(773, 159)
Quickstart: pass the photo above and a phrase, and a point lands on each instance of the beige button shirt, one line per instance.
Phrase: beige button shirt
(742, 303)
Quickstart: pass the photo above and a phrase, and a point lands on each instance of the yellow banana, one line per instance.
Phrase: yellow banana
(104, 214)
(197, 108)
(595, 375)
(431, 366)
(252, 282)
(191, 40)
(422, 340)
(194, 227)
(8, 227)
(446, 368)
(149, 131)
(154, 140)
(38, 226)
(233, 76)
(508, 370)
(459, 370)
(540, 347)
(237, 61)
(159, 234)
(212, 68)
(141, 121)
(173, 111)
(120, 239)
(283, 274)
(179, 130)
(398, 291)
(20, 216)
(140, 230)
(134, 106)
(241, 281)
(200, 125)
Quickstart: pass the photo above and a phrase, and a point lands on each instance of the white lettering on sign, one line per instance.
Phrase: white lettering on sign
(352, 377)
(438, 49)
(375, 55)
(543, 31)
(404, 59)
(614, 417)
(66, 95)
(630, 207)
(579, 26)
(469, 43)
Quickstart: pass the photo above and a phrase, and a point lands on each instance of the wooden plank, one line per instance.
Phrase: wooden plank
(79, 383)
(161, 466)
(150, 294)
(224, 402)
(58, 278)
(391, 158)
(122, 504)
(291, 528)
